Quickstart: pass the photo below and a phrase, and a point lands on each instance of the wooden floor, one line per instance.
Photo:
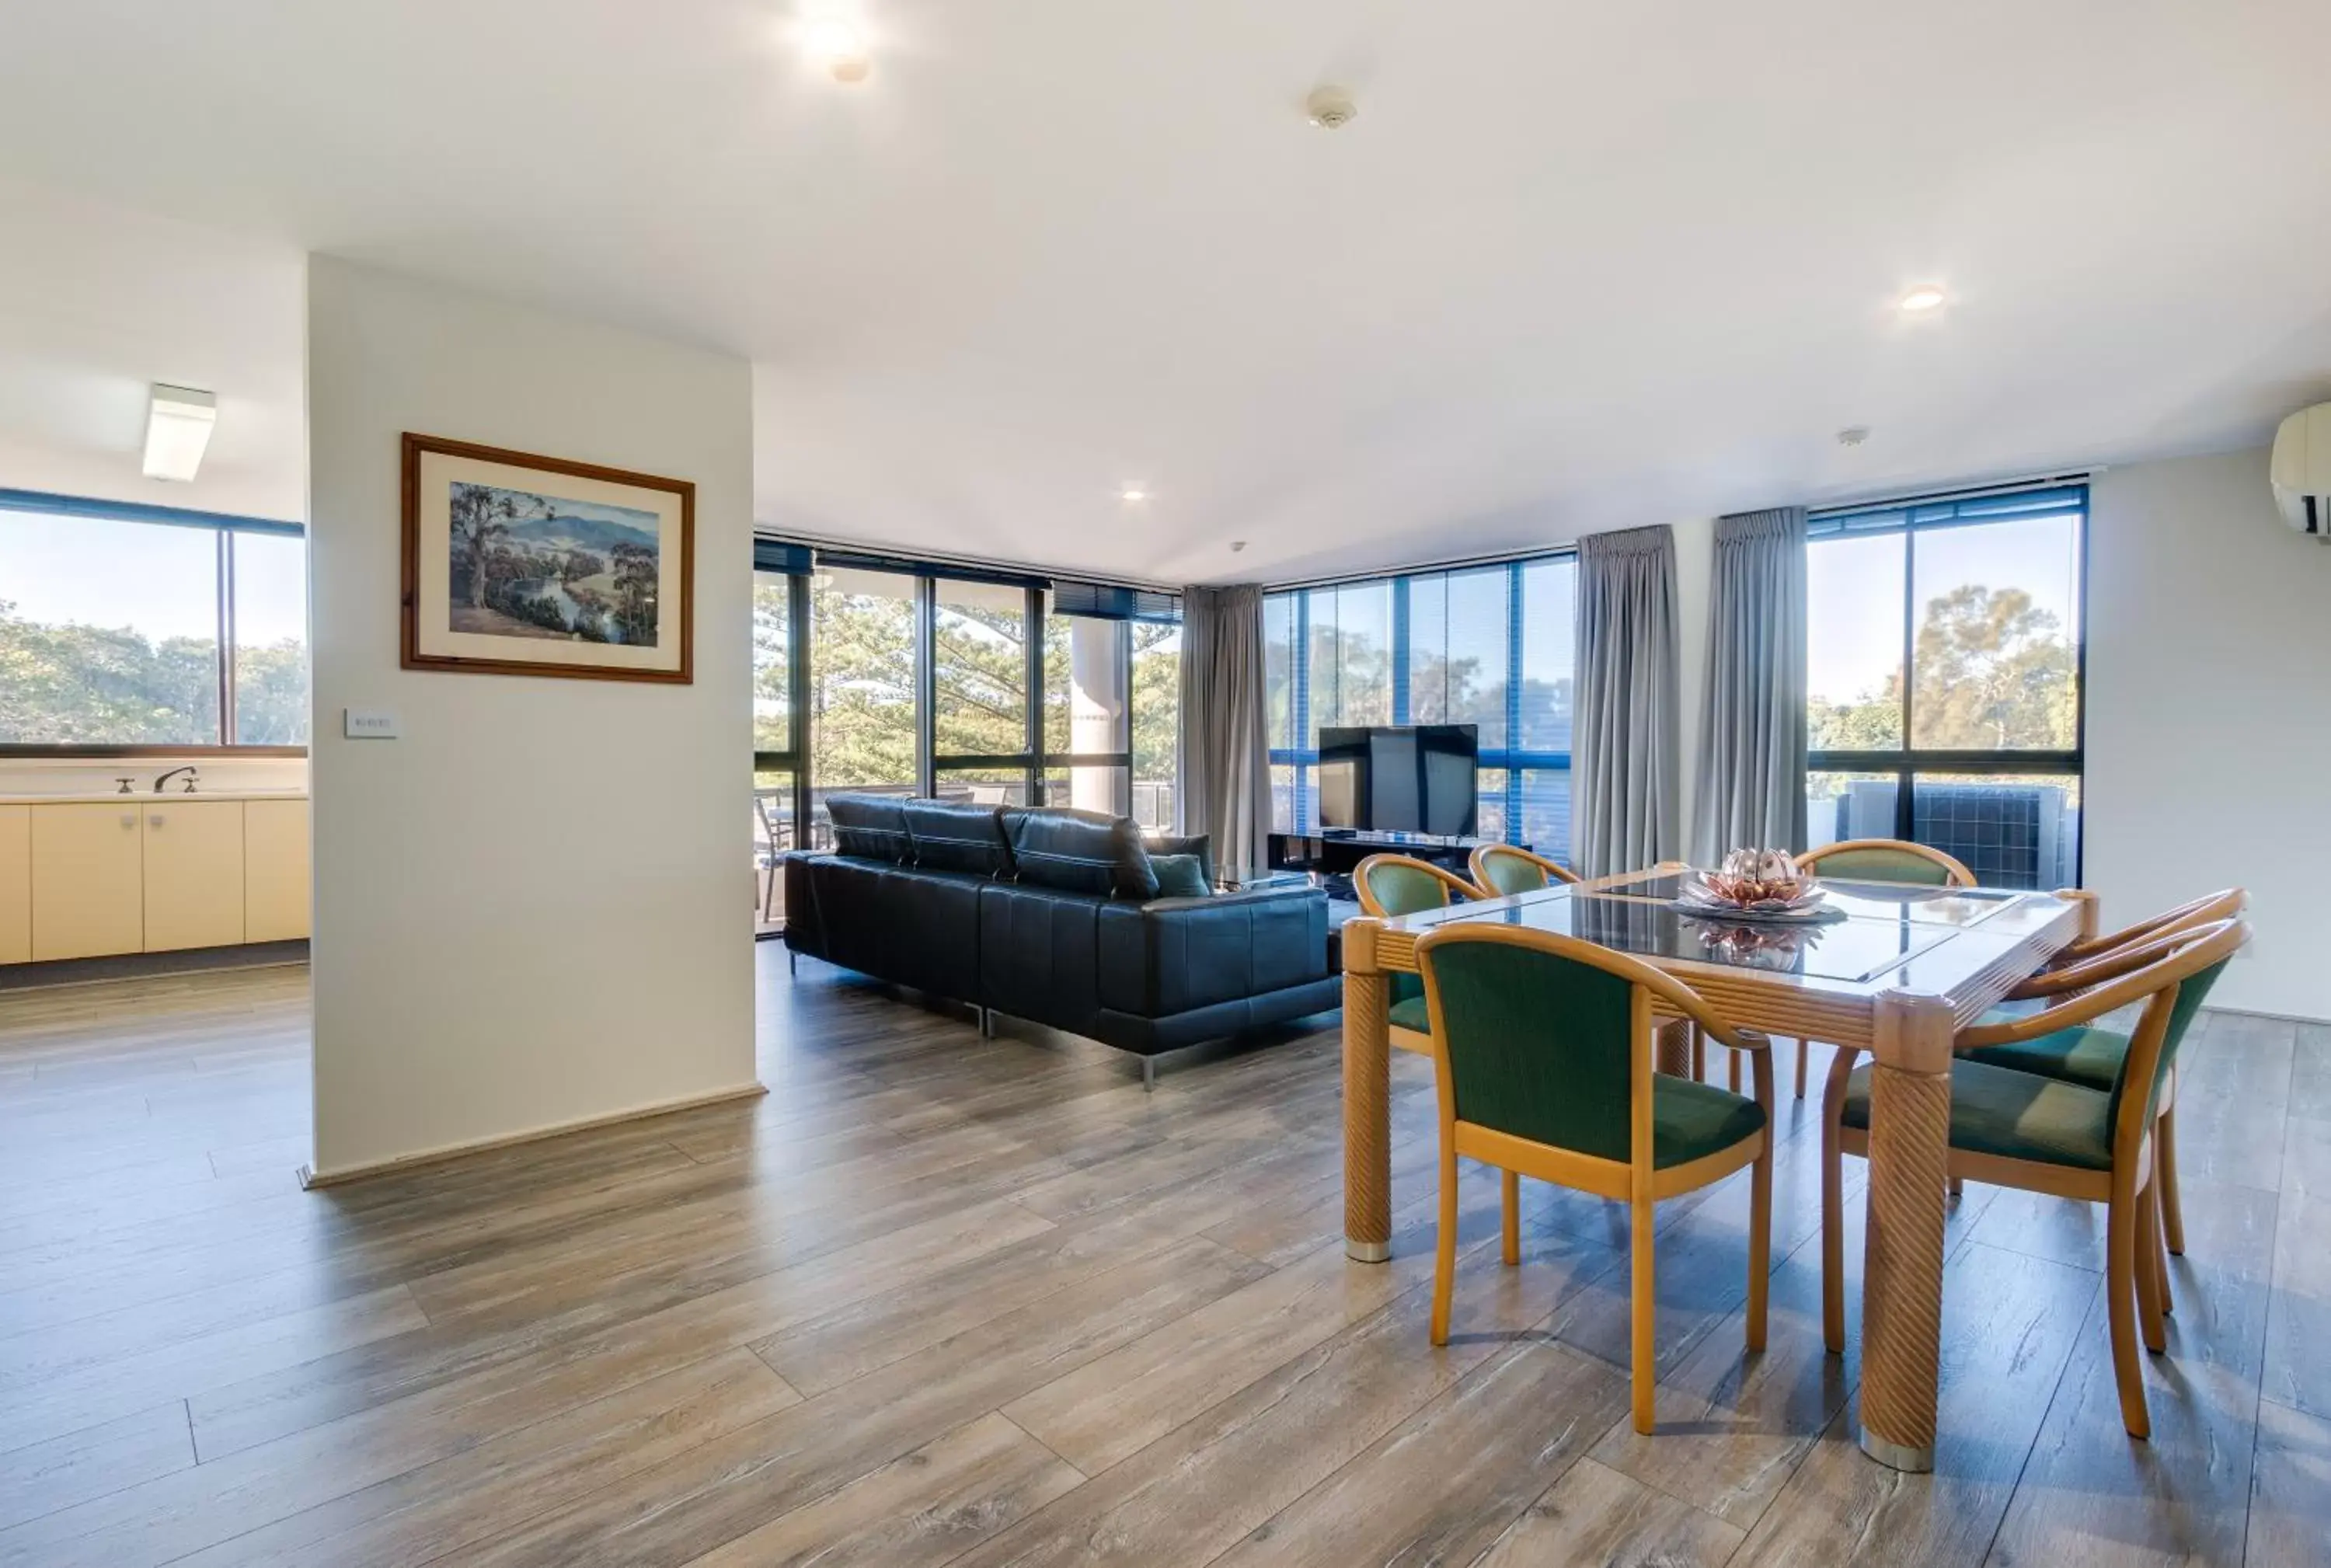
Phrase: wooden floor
(938, 1300)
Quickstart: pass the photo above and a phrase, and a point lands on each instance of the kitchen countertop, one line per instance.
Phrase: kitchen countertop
(147, 796)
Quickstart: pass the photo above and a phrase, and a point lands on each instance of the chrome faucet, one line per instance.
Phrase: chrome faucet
(189, 770)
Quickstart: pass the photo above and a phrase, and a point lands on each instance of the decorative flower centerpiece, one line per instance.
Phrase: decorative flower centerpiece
(1758, 884)
(1773, 947)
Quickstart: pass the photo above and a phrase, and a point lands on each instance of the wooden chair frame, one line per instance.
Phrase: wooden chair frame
(1636, 1181)
(1954, 872)
(2123, 953)
(1452, 887)
(2136, 1265)
(1477, 864)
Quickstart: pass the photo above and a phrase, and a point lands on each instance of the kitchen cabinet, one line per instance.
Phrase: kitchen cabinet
(275, 880)
(194, 874)
(89, 894)
(16, 884)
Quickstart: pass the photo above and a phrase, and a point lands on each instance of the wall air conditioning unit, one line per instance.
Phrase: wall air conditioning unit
(2300, 470)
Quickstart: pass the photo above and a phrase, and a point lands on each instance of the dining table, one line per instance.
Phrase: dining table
(1895, 969)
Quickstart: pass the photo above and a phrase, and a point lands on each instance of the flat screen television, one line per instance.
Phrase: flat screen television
(1410, 778)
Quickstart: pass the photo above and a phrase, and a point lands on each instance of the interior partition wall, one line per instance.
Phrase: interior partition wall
(1947, 659)
(1490, 645)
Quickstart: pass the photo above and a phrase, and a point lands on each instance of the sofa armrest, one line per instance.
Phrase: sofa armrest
(1169, 956)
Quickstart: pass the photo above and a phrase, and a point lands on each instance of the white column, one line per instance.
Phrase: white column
(1098, 692)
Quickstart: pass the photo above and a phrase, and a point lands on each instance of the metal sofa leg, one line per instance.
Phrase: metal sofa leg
(792, 962)
(1148, 1073)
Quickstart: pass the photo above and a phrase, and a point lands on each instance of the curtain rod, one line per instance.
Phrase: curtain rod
(1968, 493)
(969, 563)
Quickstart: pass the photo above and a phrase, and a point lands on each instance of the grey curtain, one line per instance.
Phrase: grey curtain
(1752, 736)
(1626, 766)
(1224, 783)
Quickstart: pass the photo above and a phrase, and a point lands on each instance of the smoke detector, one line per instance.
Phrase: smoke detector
(1853, 435)
(1330, 108)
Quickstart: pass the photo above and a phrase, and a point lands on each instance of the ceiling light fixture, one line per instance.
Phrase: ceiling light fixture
(178, 421)
(1853, 435)
(1132, 493)
(832, 36)
(1923, 298)
(1330, 108)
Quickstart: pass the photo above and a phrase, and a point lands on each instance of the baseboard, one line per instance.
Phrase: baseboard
(311, 1178)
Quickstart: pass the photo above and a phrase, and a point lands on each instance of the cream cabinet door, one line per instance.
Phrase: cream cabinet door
(275, 881)
(194, 874)
(16, 884)
(88, 880)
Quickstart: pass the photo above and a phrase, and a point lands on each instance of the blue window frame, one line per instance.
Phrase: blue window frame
(1489, 645)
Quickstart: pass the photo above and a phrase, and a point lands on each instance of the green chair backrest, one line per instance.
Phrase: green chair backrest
(1537, 1044)
(1513, 874)
(1404, 890)
(2190, 997)
(1878, 864)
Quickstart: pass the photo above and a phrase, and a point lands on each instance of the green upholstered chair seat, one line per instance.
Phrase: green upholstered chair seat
(2019, 1116)
(1411, 1014)
(2088, 1055)
(1880, 865)
(1691, 1120)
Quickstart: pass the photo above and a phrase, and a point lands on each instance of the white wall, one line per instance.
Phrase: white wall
(2209, 716)
(531, 909)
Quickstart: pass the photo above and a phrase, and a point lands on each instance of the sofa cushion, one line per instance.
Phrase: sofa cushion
(870, 827)
(957, 838)
(1199, 844)
(1181, 877)
(1081, 852)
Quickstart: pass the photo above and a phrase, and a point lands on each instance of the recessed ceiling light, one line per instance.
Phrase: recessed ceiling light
(178, 421)
(1924, 296)
(832, 38)
(1132, 493)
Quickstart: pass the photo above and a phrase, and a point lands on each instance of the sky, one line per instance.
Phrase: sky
(1855, 590)
(161, 580)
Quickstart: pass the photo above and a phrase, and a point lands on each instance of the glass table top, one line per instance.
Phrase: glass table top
(1960, 906)
(1855, 949)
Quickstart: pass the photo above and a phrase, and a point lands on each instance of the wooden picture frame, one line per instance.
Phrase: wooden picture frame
(515, 564)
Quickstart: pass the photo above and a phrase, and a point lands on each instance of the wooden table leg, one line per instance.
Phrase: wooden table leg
(1367, 1098)
(1672, 1048)
(1902, 1264)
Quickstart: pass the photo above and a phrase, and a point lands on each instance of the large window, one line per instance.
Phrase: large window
(1944, 661)
(118, 631)
(1490, 646)
(875, 675)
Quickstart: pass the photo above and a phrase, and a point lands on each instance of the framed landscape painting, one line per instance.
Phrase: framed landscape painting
(517, 565)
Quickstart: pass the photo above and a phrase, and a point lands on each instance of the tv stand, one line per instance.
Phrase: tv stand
(1333, 854)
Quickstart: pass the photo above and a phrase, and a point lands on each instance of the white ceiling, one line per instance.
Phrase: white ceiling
(1576, 265)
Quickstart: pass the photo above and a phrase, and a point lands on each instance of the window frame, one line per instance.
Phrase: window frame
(1935, 514)
(224, 526)
(800, 562)
(1513, 760)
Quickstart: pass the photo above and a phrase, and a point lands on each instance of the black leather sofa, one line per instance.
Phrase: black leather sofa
(1053, 915)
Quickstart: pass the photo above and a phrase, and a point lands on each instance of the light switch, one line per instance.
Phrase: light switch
(370, 723)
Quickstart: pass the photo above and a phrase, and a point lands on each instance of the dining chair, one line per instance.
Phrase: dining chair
(1503, 869)
(2042, 1134)
(1879, 860)
(1542, 1051)
(1393, 885)
(769, 851)
(2091, 1055)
